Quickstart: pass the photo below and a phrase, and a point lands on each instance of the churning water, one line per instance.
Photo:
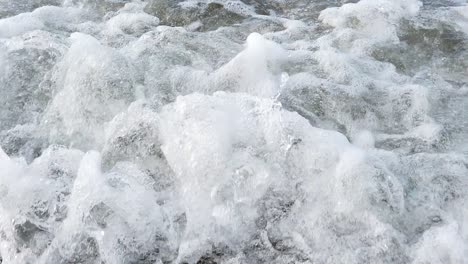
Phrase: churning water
(233, 131)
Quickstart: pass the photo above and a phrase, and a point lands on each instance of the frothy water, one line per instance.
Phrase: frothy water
(233, 131)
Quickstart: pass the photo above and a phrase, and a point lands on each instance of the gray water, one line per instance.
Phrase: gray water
(227, 131)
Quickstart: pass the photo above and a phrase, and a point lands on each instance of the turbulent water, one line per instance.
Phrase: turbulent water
(233, 131)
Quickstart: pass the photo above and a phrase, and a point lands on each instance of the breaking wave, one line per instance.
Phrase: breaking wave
(233, 131)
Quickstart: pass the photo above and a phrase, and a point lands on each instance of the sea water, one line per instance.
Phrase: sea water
(233, 131)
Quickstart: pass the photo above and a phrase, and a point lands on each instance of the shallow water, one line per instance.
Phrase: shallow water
(199, 131)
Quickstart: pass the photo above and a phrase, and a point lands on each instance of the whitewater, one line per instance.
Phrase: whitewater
(233, 131)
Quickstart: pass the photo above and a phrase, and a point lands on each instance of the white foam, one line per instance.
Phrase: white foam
(41, 18)
(256, 70)
(131, 23)
(273, 140)
(90, 91)
(221, 148)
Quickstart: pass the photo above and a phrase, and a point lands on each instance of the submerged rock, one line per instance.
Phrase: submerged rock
(102, 7)
(206, 16)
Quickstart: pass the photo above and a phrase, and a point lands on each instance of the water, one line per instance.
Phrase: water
(273, 131)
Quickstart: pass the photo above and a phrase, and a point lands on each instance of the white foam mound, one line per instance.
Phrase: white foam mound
(91, 89)
(228, 151)
(233, 153)
(41, 18)
(244, 169)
